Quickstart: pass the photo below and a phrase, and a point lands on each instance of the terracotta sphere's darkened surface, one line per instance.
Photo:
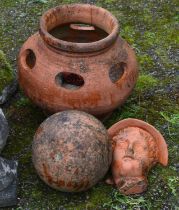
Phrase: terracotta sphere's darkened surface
(71, 151)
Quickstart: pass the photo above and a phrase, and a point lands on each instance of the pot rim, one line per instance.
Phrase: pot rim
(59, 44)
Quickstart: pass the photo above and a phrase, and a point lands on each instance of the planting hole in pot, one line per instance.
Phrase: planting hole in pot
(78, 33)
(30, 58)
(69, 80)
(116, 71)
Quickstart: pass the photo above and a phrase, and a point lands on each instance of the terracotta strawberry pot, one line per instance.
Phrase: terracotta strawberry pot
(67, 65)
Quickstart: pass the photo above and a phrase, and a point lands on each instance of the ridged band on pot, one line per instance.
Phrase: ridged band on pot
(84, 13)
(105, 71)
(71, 151)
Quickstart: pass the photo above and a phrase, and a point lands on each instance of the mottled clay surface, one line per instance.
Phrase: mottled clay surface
(137, 146)
(105, 71)
(71, 151)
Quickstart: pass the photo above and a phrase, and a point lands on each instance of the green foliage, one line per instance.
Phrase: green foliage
(6, 73)
(150, 37)
(3, 62)
(119, 201)
(145, 82)
(173, 119)
(145, 61)
(173, 183)
(131, 111)
(40, 1)
(109, 1)
(128, 33)
(23, 101)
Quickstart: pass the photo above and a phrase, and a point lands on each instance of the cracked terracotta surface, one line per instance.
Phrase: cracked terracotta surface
(137, 146)
(71, 151)
(95, 76)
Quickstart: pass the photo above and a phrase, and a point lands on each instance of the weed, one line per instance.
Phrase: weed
(6, 73)
(120, 201)
(40, 1)
(145, 82)
(172, 120)
(173, 183)
(22, 102)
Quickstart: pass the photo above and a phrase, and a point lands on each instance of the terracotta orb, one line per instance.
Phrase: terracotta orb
(71, 151)
(137, 146)
(77, 60)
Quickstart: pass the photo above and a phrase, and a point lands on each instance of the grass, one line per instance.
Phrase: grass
(6, 72)
(173, 119)
(173, 183)
(146, 82)
(119, 202)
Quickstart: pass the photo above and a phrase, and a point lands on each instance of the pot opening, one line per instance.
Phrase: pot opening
(79, 28)
(116, 71)
(30, 58)
(69, 80)
(78, 32)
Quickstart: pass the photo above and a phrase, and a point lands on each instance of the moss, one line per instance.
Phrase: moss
(22, 102)
(146, 82)
(145, 61)
(98, 196)
(173, 184)
(163, 185)
(109, 1)
(9, 3)
(129, 34)
(119, 201)
(6, 73)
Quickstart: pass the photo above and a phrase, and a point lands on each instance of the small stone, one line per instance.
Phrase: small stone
(23, 14)
(8, 182)
(4, 130)
(177, 167)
